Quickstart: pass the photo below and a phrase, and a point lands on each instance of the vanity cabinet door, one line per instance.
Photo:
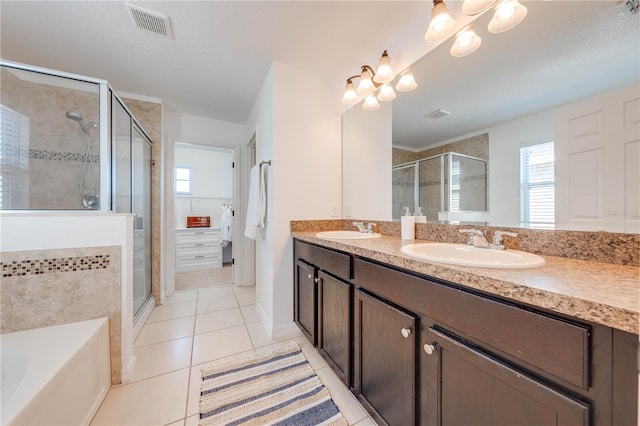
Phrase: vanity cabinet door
(305, 299)
(385, 360)
(334, 324)
(466, 386)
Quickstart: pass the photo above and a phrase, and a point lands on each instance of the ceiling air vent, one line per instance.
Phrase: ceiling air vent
(149, 20)
(439, 113)
(629, 7)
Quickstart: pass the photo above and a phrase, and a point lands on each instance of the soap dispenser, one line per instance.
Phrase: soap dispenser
(407, 226)
(420, 218)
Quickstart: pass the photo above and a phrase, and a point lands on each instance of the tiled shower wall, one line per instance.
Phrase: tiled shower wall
(56, 144)
(41, 288)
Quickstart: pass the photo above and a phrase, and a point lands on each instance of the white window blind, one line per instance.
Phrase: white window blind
(183, 180)
(537, 184)
(14, 159)
(455, 186)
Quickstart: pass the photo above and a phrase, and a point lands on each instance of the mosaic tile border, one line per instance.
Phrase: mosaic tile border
(40, 154)
(19, 268)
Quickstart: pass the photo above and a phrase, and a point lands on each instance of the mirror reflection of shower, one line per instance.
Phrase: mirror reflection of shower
(90, 199)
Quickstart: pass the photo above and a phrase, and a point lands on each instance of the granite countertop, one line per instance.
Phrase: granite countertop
(593, 291)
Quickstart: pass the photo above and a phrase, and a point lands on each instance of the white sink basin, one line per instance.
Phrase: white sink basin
(346, 235)
(464, 255)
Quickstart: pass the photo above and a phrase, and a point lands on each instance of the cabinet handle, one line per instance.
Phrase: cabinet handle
(200, 245)
(429, 349)
(199, 257)
(406, 332)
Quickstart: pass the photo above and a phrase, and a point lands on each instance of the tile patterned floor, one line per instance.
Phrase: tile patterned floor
(190, 331)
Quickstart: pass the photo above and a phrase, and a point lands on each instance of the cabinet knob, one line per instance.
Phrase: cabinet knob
(429, 349)
(309, 276)
(406, 332)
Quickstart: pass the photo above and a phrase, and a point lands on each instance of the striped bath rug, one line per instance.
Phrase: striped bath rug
(275, 388)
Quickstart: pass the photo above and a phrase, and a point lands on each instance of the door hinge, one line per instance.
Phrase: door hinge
(233, 164)
(233, 261)
(233, 213)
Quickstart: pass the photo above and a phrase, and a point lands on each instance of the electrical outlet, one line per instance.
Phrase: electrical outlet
(334, 210)
(347, 211)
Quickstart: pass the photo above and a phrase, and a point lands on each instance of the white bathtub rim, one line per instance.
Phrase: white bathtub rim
(70, 341)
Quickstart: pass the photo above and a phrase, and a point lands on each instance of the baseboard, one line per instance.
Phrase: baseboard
(127, 372)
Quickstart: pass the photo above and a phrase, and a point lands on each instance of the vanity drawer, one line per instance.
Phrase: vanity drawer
(553, 345)
(198, 248)
(200, 235)
(200, 260)
(336, 263)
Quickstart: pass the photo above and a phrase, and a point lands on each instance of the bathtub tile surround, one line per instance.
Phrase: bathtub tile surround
(18, 268)
(607, 247)
(41, 288)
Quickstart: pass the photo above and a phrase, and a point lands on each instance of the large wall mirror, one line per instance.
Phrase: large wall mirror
(540, 128)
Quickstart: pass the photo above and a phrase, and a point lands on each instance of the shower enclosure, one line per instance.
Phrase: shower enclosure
(68, 142)
(444, 186)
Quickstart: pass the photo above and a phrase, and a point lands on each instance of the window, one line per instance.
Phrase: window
(537, 184)
(183, 180)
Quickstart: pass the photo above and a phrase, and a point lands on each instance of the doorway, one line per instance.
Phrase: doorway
(203, 216)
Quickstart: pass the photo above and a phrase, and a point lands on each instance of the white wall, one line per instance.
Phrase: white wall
(42, 231)
(297, 124)
(366, 141)
(505, 141)
(261, 124)
(212, 175)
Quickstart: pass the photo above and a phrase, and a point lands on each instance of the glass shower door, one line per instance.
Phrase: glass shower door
(403, 189)
(141, 207)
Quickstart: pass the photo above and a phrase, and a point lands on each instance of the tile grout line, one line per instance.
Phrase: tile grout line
(193, 342)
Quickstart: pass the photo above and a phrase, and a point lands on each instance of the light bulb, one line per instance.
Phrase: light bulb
(366, 84)
(386, 94)
(384, 73)
(467, 42)
(442, 25)
(508, 14)
(371, 103)
(406, 83)
(350, 95)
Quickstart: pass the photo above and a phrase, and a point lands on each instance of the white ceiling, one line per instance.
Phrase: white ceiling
(222, 50)
(562, 52)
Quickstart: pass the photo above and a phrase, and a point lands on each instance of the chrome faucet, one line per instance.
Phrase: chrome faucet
(365, 229)
(476, 238)
(497, 239)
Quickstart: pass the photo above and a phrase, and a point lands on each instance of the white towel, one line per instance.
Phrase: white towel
(225, 225)
(257, 204)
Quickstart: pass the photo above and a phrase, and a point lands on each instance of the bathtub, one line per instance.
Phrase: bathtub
(56, 375)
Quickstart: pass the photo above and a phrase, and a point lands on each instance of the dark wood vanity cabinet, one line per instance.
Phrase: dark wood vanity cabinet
(323, 304)
(385, 360)
(466, 386)
(430, 352)
(306, 297)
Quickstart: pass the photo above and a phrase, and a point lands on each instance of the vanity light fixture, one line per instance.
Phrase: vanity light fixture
(467, 42)
(386, 93)
(384, 73)
(366, 85)
(407, 82)
(350, 94)
(508, 14)
(380, 81)
(371, 103)
(442, 25)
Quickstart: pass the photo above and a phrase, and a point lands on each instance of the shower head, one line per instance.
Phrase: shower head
(75, 116)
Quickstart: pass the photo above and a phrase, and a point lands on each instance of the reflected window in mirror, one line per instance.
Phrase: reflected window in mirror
(537, 185)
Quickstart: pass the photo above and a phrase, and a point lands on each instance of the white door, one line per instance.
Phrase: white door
(597, 143)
